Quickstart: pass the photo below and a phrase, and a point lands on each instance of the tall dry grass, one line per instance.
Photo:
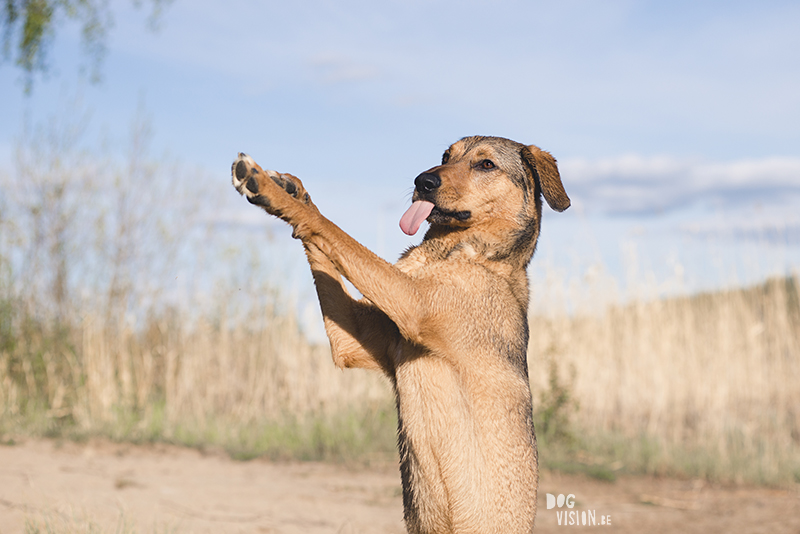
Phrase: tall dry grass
(707, 385)
(226, 383)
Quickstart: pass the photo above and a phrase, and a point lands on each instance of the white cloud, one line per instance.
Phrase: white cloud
(782, 228)
(640, 185)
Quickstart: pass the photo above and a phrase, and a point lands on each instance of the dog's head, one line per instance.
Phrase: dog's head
(486, 182)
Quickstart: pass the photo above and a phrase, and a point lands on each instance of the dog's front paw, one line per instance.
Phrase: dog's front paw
(258, 186)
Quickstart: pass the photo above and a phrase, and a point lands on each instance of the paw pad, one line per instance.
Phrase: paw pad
(241, 169)
(252, 184)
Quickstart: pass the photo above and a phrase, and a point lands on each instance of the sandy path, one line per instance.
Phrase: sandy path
(169, 489)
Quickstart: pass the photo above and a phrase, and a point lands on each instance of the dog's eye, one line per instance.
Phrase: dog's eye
(487, 164)
(445, 158)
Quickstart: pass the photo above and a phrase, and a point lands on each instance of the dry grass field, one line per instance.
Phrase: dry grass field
(701, 386)
(704, 385)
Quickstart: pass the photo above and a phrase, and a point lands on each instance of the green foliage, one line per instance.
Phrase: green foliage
(559, 448)
(358, 435)
(552, 417)
(30, 25)
(33, 354)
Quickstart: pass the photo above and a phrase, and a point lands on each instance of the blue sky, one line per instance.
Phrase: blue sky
(676, 124)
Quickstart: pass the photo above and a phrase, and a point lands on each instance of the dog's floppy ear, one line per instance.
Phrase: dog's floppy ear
(546, 173)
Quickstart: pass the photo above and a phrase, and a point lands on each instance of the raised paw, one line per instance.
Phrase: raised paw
(254, 183)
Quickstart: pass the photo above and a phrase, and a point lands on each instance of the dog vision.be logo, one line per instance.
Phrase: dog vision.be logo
(574, 517)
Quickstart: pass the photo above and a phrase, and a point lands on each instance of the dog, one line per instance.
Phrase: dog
(447, 324)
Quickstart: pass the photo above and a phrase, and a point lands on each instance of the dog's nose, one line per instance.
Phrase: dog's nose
(427, 182)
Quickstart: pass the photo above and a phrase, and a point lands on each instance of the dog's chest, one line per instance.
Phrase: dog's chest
(428, 256)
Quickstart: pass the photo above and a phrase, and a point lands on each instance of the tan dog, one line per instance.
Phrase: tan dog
(447, 324)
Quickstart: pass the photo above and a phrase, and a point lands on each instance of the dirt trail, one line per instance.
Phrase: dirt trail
(170, 489)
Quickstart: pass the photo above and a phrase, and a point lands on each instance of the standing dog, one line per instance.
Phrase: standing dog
(447, 324)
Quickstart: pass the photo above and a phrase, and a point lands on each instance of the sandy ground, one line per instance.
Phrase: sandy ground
(108, 487)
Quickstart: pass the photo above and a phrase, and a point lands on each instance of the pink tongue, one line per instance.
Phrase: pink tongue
(413, 217)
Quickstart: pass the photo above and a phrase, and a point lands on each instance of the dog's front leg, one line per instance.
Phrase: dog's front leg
(389, 289)
(360, 334)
